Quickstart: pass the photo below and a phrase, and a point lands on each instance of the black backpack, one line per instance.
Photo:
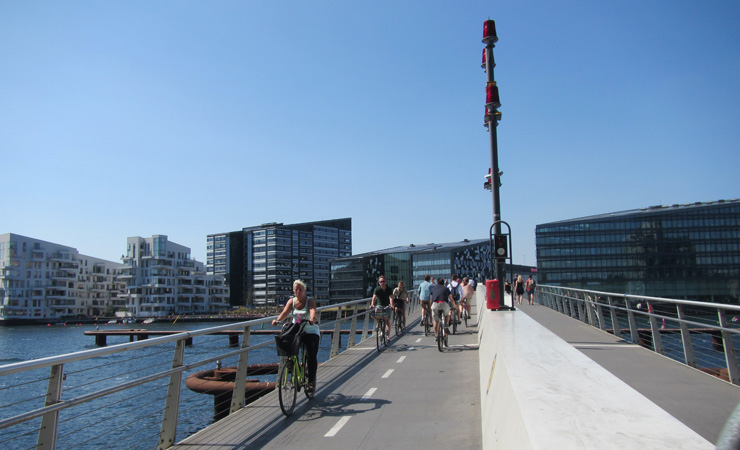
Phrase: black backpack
(455, 293)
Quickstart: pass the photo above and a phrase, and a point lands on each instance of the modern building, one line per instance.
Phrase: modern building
(161, 279)
(689, 251)
(261, 262)
(42, 280)
(356, 277)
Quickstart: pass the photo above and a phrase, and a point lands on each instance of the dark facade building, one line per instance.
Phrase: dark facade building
(689, 251)
(260, 263)
(356, 277)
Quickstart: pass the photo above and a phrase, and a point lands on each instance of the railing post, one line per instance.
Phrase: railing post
(336, 339)
(634, 334)
(615, 320)
(240, 382)
(657, 338)
(590, 310)
(366, 321)
(50, 421)
(688, 347)
(600, 314)
(730, 355)
(353, 327)
(172, 403)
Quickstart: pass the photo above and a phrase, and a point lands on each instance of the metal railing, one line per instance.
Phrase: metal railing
(131, 395)
(699, 334)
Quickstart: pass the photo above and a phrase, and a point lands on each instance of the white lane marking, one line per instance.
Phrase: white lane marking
(418, 340)
(335, 429)
(369, 393)
(400, 360)
(387, 374)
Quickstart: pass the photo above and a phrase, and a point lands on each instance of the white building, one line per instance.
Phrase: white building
(41, 280)
(161, 279)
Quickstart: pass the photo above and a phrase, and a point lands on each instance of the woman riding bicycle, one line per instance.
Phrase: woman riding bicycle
(468, 292)
(301, 308)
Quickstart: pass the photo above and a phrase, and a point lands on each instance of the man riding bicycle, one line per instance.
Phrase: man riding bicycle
(441, 301)
(401, 296)
(383, 296)
(425, 293)
(468, 292)
(457, 292)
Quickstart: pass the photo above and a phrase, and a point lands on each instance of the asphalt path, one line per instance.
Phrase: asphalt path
(409, 395)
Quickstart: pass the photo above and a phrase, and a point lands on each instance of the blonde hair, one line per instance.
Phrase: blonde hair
(519, 278)
(300, 283)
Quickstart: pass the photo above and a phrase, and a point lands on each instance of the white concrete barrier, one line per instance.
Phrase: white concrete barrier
(538, 392)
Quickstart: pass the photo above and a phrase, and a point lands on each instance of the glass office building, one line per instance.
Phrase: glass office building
(689, 251)
(356, 277)
(260, 263)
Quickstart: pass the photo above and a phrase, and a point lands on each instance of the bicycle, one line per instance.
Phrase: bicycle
(427, 319)
(398, 321)
(466, 313)
(441, 330)
(292, 374)
(379, 315)
(454, 320)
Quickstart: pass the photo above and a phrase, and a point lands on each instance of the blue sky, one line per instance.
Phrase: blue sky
(188, 118)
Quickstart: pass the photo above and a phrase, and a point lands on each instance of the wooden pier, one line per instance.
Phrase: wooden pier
(101, 336)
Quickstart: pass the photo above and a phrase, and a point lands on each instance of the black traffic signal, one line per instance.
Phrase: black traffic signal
(500, 246)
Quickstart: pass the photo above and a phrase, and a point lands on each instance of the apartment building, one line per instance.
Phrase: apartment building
(161, 279)
(41, 280)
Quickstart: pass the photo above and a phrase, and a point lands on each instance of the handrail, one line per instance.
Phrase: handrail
(712, 349)
(17, 375)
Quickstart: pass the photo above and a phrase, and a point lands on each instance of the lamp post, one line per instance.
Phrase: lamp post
(492, 117)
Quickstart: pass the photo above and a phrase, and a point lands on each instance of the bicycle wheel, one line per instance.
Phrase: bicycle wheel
(427, 322)
(440, 333)
(304, 377)
(398, 324)
(287, 387)
(465, 317)
(378, 332)
(453, 319)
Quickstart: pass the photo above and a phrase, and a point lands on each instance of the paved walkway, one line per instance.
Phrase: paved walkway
(700, 401)
(403, 397)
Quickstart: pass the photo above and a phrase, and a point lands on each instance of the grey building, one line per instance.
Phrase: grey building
(356, 277)
(688, 251)
(261, 262)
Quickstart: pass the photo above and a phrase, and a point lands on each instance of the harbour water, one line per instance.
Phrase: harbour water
(131, 418)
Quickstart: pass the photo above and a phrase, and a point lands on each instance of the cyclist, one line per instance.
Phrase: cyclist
(383, 296)
(401, 296)
(425, 293)
(441, 300)
(456, 290)
(301, 308)
(468, 292)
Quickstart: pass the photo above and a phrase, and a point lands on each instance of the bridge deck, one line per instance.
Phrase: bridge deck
(407, 396)
(700, 401)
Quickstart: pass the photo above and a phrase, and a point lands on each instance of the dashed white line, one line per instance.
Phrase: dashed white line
(387, 374)
(369, 393)
(418, 340)
(400, 360)
(335, 429)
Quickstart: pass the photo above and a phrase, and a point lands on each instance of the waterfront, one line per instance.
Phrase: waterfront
(131, 418)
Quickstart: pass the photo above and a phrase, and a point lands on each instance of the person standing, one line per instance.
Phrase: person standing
(425, 294)
(519, 289)
(401, 296)
(383, 296)
(530, 289)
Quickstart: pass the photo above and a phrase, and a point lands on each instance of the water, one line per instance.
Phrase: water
(131, 418)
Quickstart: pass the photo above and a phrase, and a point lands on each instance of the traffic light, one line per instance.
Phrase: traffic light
(500, 246)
